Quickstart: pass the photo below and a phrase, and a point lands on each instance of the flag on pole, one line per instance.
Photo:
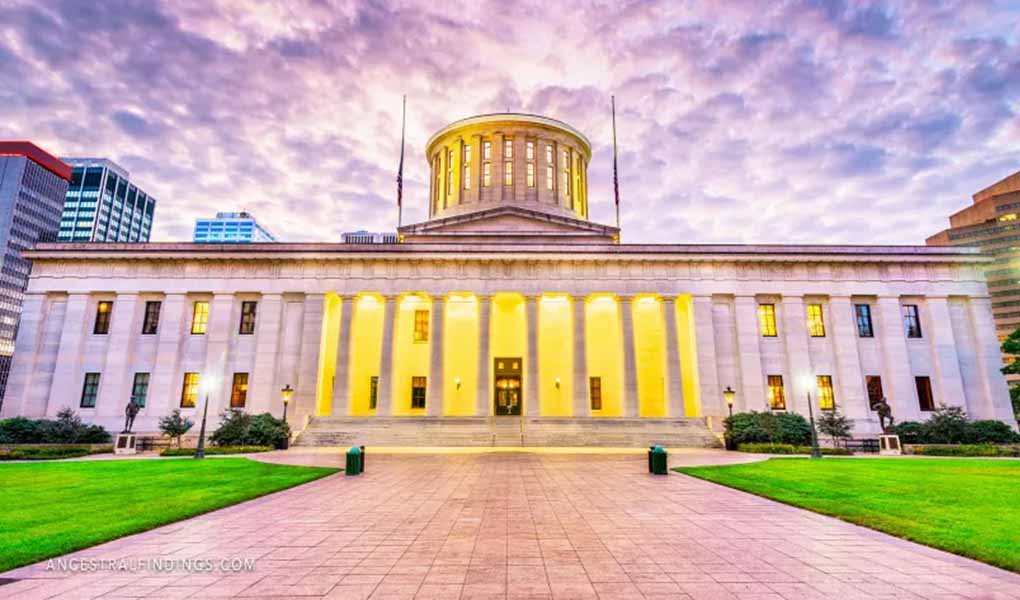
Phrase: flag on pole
(400, 169)
(616, 178)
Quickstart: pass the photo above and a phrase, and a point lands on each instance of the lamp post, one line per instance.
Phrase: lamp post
(729, 395)
(816, 452)
(207, 385)
(286, 394)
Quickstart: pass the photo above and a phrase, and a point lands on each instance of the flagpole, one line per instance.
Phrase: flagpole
(400, 169)
(616, 178)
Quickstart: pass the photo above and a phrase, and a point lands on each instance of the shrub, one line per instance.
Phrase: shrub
(19, 430)
(68, 428)
(966, 450)
(947, 425)
(835, 425)
(989, 432)
(238, 428)
(768, 427)
(174, 426)
(214, 450)
(50, 452)
(910, 432)
(789, 449)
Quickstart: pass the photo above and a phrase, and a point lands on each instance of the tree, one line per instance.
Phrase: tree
(1014, 395)
(175, 426)
(835, 425)
(1011, 347)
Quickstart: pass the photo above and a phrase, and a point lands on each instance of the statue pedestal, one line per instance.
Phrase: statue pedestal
(889, 445)
(125, 444)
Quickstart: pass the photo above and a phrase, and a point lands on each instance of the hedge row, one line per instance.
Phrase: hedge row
(51, 452)
(216, 450)
(964, 450)
(788, 449)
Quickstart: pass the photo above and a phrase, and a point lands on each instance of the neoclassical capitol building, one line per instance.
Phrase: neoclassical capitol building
(506, 318)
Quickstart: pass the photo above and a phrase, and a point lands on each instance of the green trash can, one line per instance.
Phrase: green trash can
(353, 465)
(659, 461)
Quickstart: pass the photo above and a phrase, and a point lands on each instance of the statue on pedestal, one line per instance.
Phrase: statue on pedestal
(884, 413)
(130, 412)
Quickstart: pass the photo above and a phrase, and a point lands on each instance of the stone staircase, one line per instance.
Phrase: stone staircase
(506, 431)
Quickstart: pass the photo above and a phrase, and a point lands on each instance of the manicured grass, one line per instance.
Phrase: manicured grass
(968, 507)
(49, 509)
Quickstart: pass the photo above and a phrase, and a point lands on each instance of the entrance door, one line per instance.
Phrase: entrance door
(507, 374)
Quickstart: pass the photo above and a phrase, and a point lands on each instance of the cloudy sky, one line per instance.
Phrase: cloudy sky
(810, 121)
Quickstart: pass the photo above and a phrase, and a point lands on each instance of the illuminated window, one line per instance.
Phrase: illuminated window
(777, 395)
(565, 176)
(189, 391)
(816, 324)
(439, 181)
(875, 395)
(373, 392)
(417, 392)
(102, 324)
(239, 390)
(508, 173)
(767, 319)
(247, 326)
(531, 174)
(421, 325)
(549, 153)
(864, 328)
(508, 148)
(467, 167)
(151, 321)
(89, 390)
(911, 321)
(140, 388)
(529, 151)
(486, 174)
(595, 392)
(924, 397)
(1009, 217)
(486, 150)
(449, 173)
(199, 317)
(549, 177)
(826, 401)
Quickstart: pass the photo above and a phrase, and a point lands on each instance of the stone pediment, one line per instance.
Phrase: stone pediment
(507, 223)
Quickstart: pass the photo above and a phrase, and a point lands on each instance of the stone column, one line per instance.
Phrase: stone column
(946, 378)
(704, 341)
(532, 402)
(164, 386)
(631, 400)
(115, 383)
(798, 357)
(483, 407)
(384, 401)
(582, 403)
(853, 398)
(434, 396)
(996, 403)
(752, 384)
(342, 374)
(67, 378)
(263, 393)
(306, 387)
(30, 332)
(674, 378)
(897, 377)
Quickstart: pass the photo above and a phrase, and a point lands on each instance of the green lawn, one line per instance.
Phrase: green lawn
(969, 507)
(53, 508)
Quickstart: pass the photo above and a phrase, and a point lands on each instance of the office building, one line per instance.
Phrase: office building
(231, 228)
(103, 205)
(368, 237)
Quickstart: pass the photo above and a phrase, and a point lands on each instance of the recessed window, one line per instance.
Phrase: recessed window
(595, 392)
(826, 399)
(199, 317)
(924, 397)
(486, 174)
(486, 150)
(863, 313)
(911, 321)
(508, 174)
(247, 326)
(467, 167)
(140, 388)
(874, 385)
(531, 175)
(767, 319)
(449, 173)
(102, 324)
(549, 153)
(189, 390)
(777, 395)
(549, 177)
(373, 392)
(239, 390)
(816, 323)
(529, 151)
(150, 324)
(90, 390)
(417, 392)
(421, 326)
(508, 148)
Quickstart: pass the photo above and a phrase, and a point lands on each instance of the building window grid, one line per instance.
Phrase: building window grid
(531, 175)
(508, 148)
(248, 311)
(239, 390)
(816, 322)
(508, 174)
(140, 389)
(865, 329)
(421, 326)
(911, 321)
(449, 173)
(486, 150)
(189, 390)
(595, 392)
(199, 317)
(777, 394)
(767, 320)
(89, 390)
(873, 383)
(467, 167)
(102, 324)
(418, 392)
(925, 400)
(486, 174)
(826, 398)
(373, 392)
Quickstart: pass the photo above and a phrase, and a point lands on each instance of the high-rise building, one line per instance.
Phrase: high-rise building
(369, 237)
(32, 187)
(231, 227)
(102, 204)
(992, 223)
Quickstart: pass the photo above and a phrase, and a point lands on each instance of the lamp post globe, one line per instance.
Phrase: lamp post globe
(729, 395)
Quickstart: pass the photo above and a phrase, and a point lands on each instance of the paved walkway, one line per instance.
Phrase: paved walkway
(522, 526)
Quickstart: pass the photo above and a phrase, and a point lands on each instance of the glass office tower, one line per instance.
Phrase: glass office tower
(32, 187)
(231, 228)
(102, 204)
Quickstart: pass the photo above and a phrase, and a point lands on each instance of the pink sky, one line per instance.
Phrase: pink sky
(799, 121)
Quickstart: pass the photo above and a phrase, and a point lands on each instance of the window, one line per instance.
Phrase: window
(417, 392)
(595, 392)
(373, 392)
(924, 397)
(189, 391)
(549, 153)
(150, 324)
(421, 326)
(826, 401)
(508, 148)
(140, 388)
(874, 385)
(549, 177)
(565, 176)
(486, 174)
(199, 317)
(864, 328)
(531, 175)
(777, 395)
(239, 390)
(529, 151)
(248, 308)
(102, 325)
(486, 150)
(816, 324)
(508, 173)
(449, 173)
(467, 167)
(911, 321)
(767, 319)
(90, 390)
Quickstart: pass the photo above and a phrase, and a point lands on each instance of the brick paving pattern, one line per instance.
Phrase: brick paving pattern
(522, 526)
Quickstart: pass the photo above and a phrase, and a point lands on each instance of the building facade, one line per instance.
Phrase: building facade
(368, 237)
(231, 228)
(992, 223)
(32, 187)
(507, 318)
(102, 205)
